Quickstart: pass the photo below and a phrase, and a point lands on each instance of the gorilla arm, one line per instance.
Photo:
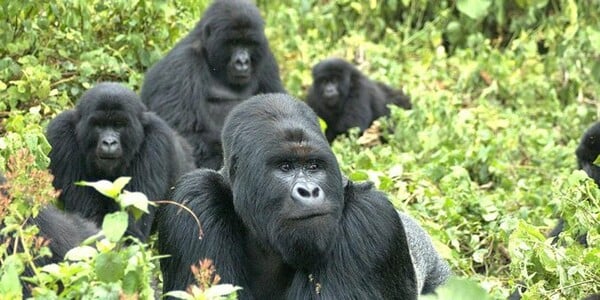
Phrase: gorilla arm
(158, 164)
(206, 193)
(430, 268)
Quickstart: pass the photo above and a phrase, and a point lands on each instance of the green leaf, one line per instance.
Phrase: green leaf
(10, 285)
(458, 288)
(107, 188)
(131, 283)
(179, 295)
(474, 9)
(81, 253)
(135, 199)
(114, 225)
(219, 290)
(136, 202)
(109, 267)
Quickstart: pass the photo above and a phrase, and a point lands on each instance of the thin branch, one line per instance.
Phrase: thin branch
(200, 232)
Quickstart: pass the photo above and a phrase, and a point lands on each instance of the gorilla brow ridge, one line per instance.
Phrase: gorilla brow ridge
(110, 96)
(234, 15)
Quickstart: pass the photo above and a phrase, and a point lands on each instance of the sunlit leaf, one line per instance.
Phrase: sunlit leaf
(81, 253)
(107, 188)
(475, 9)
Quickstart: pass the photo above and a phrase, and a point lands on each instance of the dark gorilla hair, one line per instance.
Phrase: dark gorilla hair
(345, 98)
(107, 135)
(280, 220)
(224, 60)
(63, 231)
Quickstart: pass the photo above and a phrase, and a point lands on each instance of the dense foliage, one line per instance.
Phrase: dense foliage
(502, 91)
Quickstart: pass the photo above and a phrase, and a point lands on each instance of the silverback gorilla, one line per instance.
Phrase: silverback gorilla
(107, 135)
(224, 60)
(64, 231)
(345, 98)
(280, 220)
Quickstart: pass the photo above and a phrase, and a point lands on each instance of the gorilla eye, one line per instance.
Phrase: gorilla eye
(285, 167)
(313, 166)
(120, 123)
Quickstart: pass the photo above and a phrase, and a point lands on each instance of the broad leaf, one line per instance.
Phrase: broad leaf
(474, 9)
(114, 225)
(109, 267)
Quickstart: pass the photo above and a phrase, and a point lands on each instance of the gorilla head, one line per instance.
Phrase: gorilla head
(588, 150)
(332, 79)
(345, 98)
(299, 192)
(231, 37)
(109, 130)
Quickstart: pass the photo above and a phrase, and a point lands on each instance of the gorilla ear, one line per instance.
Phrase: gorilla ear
(345, 181)
(206, 31)
(204, 34)
(76, 115)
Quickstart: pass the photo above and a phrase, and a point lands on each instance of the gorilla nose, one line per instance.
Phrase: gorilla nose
(330, 91)
(308, 193)
(110, 145)
(242, 62)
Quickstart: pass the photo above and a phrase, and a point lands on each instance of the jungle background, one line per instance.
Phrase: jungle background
(502, 91)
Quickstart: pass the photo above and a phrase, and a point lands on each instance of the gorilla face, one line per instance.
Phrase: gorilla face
(234, 43)
(286, 183)
(332, 81)
(109, 129)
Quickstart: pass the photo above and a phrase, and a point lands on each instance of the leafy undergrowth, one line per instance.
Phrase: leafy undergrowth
(502, 92)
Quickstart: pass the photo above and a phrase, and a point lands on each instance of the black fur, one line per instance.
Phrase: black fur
(195, 85)
(280, 220)
(345, 98)
(141, 146)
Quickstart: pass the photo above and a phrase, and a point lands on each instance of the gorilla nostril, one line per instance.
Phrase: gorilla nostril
(307, 193)
(109, 142)
(303, 192)
(315, 192)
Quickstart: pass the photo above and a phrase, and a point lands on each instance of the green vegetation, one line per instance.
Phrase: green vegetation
(485, 160)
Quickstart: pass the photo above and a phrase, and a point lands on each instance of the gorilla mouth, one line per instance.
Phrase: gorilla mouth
(330, 101)
(109, 157)
(305, 215)
(241, 77)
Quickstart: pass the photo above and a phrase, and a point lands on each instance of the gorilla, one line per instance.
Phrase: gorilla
(587, 151)
(224, 60)
(63, 230)
(110, 134)
(281, 221)
(345, 98)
